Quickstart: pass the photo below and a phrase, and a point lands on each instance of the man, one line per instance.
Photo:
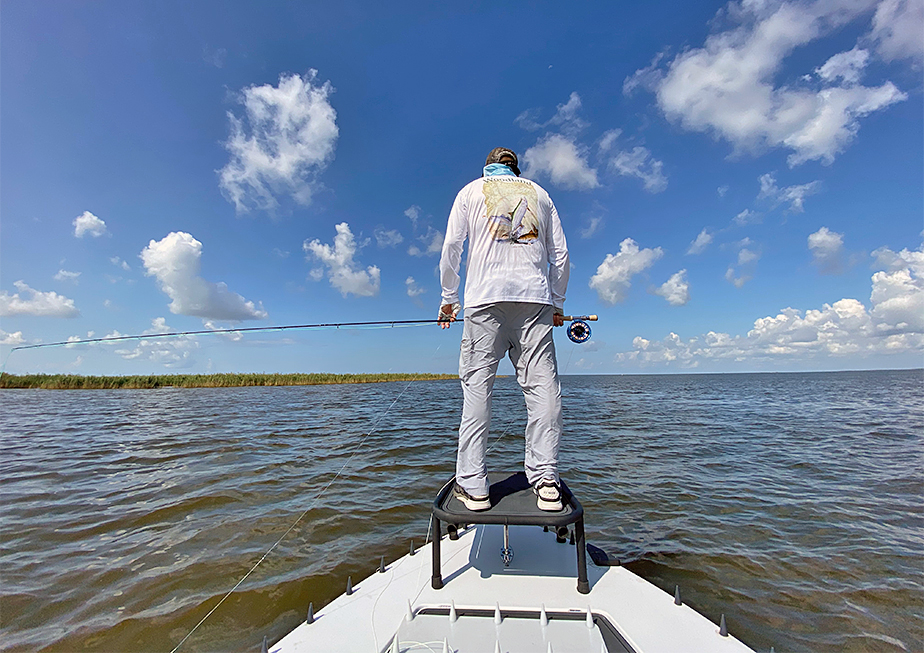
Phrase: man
(516, 277)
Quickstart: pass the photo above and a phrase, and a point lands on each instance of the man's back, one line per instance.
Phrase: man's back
(514, 235)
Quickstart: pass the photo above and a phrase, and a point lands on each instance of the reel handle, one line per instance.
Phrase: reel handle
(587, 318)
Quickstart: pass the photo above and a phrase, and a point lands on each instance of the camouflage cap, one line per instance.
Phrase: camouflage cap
(506, 156)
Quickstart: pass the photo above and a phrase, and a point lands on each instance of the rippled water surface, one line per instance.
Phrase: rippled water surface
(792, 503)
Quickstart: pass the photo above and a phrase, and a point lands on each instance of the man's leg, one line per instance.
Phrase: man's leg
(481, 350)
(533, 356)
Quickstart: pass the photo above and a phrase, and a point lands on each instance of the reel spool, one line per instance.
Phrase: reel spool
(579, 330)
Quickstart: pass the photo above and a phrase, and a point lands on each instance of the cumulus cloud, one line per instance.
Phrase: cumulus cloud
(894, 324)
(640, 164)
(429, 241)
(594, 225)
(746, 217)
(827, 249)
(65, 275)
(36, 303)
(675, 290)
(12, 339)
(87, 223)
(562, 161)
(175, 262)
(614, 275)
(565, 117)
(282, 143)
(115, 260)
(387, 237)
(345, 274)
(794, 195)
(727, 87)
(742, 271)
(897, 29)
(847, 66)
(700, 243)
(171, 352)
(413, 290)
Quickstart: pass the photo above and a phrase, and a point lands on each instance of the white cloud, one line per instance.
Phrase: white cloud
(613, 277)
(345, 274)
(746, 217)
(565, 117)
(721, 190)
(700, 243)
(827, 249)
(284, 140)
(387, 238)
(564, 163)
(39, 304)
(115, 260)
(894, 324)
(794, 195)
(233, 336)
(608, 139)
(64, 275)
(727, 87)
(639, 163)
(742, 271)
(413, 290)
(594, 225)
(897, 29)
(413, 214)
(11, 339)
(675, 290)
(847, 66)
(87, 223)
(431, 241)
(175, 262)
(171, 351)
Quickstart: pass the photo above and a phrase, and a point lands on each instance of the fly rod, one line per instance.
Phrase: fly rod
(284, 327)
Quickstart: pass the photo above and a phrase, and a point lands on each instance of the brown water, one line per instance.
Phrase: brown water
(792, 503)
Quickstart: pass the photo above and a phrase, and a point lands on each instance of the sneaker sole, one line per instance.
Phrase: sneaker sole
(549, 506)
(475, 505)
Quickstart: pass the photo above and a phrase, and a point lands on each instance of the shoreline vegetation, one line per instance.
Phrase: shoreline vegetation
(77, 382)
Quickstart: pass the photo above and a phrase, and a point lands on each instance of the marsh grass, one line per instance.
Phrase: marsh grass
(76, 382)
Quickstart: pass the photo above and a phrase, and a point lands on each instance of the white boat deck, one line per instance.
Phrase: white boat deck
(462, 616)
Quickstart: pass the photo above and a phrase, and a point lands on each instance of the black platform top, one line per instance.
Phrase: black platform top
(512, 502)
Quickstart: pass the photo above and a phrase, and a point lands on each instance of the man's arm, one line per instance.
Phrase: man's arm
(559, 264)
(451, 259)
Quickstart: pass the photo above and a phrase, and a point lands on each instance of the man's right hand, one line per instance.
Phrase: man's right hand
(448, 314)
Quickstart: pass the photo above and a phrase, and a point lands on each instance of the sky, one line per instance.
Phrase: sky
(741, 185)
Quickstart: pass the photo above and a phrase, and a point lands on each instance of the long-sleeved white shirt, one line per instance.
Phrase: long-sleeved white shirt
(517, 250)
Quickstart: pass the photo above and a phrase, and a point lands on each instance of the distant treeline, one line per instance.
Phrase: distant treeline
(75, 382)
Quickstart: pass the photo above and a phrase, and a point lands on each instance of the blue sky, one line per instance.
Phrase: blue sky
(740, 184)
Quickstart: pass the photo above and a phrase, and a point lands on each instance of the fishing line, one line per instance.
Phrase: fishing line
(300, 517)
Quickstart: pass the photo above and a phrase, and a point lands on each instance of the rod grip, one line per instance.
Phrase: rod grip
(572, 318)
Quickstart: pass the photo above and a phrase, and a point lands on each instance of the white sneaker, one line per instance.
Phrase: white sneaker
(475, 504)
(549, 495)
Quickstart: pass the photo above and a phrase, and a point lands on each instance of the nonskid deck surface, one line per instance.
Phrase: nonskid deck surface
(627, 612)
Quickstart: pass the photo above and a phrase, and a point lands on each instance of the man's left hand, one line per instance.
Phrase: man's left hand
(558, 319)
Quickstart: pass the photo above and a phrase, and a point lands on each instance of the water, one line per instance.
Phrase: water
(792, 503)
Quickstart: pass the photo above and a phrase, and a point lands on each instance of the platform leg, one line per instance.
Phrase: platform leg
(582, 585)
(436, 581)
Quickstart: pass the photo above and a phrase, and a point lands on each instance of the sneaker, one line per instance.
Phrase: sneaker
(475, 504)
(549, 495)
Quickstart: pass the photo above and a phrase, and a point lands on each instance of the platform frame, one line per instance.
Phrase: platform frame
(507, 495)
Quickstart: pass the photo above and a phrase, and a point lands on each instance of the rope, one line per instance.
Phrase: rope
(300, 517)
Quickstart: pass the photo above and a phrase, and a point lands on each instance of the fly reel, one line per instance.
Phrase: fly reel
(579, 330)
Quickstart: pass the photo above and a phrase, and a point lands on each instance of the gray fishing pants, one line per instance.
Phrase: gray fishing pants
(524, 331)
